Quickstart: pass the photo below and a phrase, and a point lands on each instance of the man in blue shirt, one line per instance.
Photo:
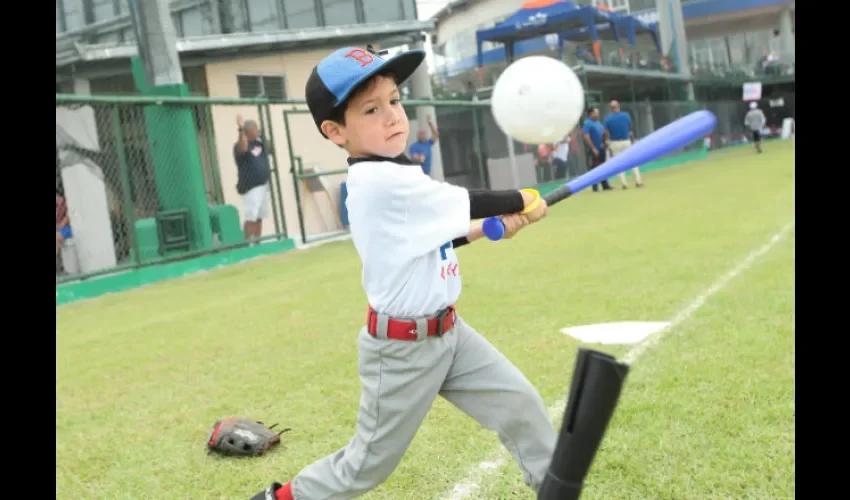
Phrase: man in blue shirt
(252, 163)
(619, 136)
(420, 151)
(594, 147)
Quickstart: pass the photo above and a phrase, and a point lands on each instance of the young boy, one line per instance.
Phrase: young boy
(415, 345)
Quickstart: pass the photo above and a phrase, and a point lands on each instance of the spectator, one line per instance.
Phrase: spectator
(619, 136)
(561, 156)
(420, 151)
(252, 163)
(63, 222)
(544, 163)
(593, 131)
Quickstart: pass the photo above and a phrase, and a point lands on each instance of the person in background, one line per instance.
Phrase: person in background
(252, 163)
(619, 136)
(543, 166)
(755, 121)
(63, 222)
(592, 132)
(420, 151)
(560, 156)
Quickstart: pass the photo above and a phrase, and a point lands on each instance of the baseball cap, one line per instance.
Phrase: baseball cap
(338, 75)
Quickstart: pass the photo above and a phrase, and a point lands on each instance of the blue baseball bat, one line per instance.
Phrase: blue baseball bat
(667, 139)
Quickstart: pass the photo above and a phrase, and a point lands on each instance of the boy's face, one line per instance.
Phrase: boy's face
(375, 121)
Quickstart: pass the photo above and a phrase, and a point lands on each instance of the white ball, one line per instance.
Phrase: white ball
(537, 100)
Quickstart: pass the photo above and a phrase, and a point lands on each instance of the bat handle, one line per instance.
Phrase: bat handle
(493, 228)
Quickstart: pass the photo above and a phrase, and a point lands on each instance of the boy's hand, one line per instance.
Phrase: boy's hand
(240, 121)
(529, 197)
(513, 223)
(538, 213)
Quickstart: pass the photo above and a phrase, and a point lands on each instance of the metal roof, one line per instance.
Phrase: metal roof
(70, 52)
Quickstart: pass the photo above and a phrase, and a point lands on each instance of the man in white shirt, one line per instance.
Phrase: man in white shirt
(414, 346)
(561, 156)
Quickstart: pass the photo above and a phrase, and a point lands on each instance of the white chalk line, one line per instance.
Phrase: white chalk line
(471, 483)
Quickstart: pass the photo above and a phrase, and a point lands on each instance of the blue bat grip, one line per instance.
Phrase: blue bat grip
(667, 139)
(493, 228)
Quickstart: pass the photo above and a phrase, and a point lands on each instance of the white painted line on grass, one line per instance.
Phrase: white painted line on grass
(471, 483)
(686, 313)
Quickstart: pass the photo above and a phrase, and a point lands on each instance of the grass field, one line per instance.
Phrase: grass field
(707, 413)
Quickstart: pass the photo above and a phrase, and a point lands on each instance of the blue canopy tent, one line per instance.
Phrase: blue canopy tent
(557, 17)
(633, 27)
(566, 19)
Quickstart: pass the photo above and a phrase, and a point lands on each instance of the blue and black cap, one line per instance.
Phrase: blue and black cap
(335, 78)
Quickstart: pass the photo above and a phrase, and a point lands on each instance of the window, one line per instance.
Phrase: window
(339, 12)
(103, 9)
(60, 18)
(300, 14)
(73, 14)
(196, 21)
(381, 11)
(408, 8)
(268, 86)
(233, 16)
(264, 15)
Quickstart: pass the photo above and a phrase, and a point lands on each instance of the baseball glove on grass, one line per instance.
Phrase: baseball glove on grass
(242, 436)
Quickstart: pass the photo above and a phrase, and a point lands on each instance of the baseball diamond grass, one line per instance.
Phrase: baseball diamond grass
(707, 413)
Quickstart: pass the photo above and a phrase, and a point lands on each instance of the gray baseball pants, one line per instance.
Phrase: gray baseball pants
(401, 379)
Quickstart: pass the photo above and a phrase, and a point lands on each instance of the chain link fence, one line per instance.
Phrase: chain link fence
(142, 181)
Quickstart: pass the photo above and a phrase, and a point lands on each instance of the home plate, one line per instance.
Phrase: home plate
(623, 332)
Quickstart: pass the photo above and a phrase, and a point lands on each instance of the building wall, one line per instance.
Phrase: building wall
(206, 17)
(456, 32)
(307, 142)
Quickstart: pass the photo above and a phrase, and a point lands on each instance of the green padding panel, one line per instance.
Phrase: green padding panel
(224, 220)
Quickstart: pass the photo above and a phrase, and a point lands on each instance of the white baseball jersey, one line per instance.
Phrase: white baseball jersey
(402, 224)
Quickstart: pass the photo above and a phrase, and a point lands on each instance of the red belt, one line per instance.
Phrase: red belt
(405, 329)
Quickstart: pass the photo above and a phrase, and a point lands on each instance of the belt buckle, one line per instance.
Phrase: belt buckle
(441, 318)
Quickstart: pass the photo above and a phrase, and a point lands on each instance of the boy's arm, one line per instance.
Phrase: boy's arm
(242, 139)
(435, 133)
(476, 231)
(484, 203)
(425, 213)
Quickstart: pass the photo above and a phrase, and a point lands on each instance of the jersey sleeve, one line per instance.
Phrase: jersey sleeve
(423, 212)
